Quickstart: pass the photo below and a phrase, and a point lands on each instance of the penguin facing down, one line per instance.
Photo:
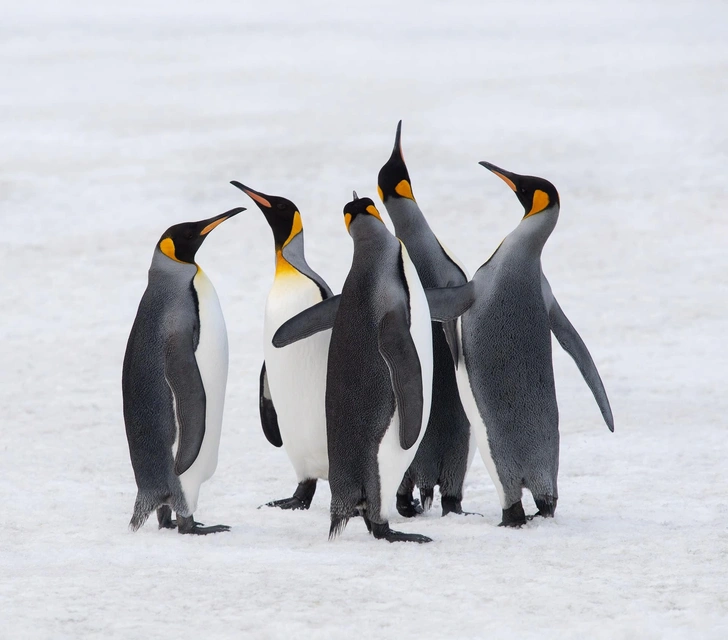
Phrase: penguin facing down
(449, 446)
(507, 383)
(173, 381)
(293, 380)
(379, 377)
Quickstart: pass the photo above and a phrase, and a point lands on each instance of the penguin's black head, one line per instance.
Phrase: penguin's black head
(181, 242)
(394, 180)
(282, 215)
(536, 194)
(360, 206)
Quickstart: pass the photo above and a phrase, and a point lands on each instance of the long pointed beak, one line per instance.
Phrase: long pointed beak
(506, 176)
(398, 141)
(211, 223)
(259, 198)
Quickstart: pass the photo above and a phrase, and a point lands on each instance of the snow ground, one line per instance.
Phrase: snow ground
(118, 121)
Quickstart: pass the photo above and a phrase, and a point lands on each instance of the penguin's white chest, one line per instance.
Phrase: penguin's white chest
(297, 376)
(212, 361)
(392, 460)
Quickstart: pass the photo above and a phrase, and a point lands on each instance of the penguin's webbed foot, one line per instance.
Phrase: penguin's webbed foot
(189, 526)
(453, 505)
(513, 516)
(164, 517)
(407, 506)
(302, 497)
(546, 506)
(383, 532)
(291, 504)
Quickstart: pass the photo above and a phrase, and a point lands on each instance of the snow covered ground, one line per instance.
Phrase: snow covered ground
(117, 121)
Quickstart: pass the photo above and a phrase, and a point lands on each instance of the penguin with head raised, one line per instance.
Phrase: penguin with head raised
(173, 381)
(293, 380)
(449, 446)
(379, 377)
(507, 383)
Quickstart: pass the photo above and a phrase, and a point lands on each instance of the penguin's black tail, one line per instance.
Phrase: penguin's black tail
(342, 510)
(145, 503)
(338, 524)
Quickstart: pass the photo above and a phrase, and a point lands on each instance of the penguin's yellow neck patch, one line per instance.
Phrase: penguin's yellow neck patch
(540, 202)
(166, 246)
(381, 193)
(296, 228)
(283, 267)
(347, 220)
(404, 189)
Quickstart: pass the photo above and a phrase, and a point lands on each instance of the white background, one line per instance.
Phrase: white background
(118, 120)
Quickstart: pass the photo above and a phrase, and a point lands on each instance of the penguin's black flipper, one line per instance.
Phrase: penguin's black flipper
(449, 303)
(400, 353)
(572, 343)
(268, 415)
(310, 321)
(188, 392)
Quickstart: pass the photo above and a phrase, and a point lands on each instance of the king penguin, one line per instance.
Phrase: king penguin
(379, 378)
(507, 383)
(293, 380)
(449, 446)
(173, 381)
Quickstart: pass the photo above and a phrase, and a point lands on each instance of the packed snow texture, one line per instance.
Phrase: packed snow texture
(121, 119)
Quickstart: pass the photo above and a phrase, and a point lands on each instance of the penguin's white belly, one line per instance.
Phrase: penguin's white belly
(392, 460)
(477, 425)
(212, 361)
(297, 377)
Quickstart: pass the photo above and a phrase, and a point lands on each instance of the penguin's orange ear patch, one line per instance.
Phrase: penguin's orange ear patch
(296, 227)
(347, 220)
(372, 210)
(540, 202)
(404, 189)
(381, 193)
(166, 246)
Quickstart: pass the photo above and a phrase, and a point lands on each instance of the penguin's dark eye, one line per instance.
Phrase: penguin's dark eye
(189, 235)
(523, 190)
(281, 206)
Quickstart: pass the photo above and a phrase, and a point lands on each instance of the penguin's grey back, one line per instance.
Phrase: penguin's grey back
(507, 344)
(168, 307)
(357, 422)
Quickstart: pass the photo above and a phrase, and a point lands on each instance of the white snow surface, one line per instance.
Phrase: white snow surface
(118, 120)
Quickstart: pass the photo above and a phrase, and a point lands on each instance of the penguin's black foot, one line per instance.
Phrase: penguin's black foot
(164, 516)
(546, 506)
(301, 499)
(383, 532)
(513, 516)
(407, 506)
(288, 503)
(453, 505)
(188, 525)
